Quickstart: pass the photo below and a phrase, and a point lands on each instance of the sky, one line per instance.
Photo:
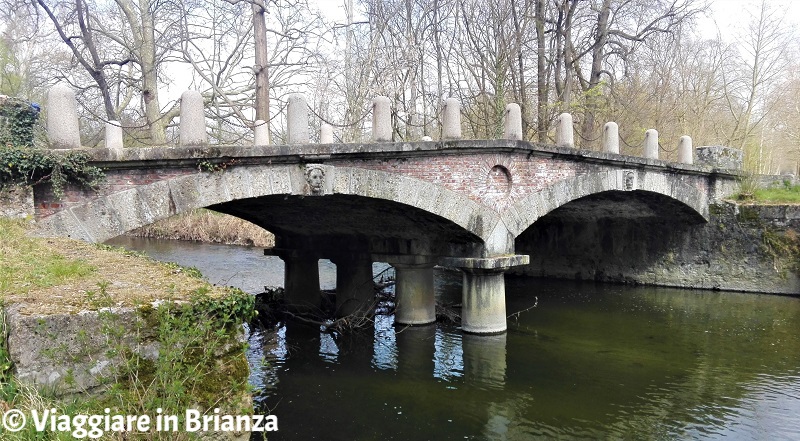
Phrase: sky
(724, 17)
(728, 17)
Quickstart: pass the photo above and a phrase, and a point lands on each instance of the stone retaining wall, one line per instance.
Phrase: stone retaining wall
(740, 249)
(16, 202)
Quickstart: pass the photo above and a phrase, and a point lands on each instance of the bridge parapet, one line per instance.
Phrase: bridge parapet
(462, 200)
(192, 127)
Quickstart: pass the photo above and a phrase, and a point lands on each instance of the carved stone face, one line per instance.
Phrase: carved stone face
(316, 180)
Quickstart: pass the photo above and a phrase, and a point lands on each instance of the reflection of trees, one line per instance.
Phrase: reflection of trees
(652, 361)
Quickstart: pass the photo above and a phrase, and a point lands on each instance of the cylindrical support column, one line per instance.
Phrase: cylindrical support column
(63, 131)
(611, 137)
(685, 150)
(381, 119)
(485, 359)
(651, 144)
(297, 120)
(261, 132)
(513, 122)
(114, 135)
(483, 305)
(564, 132)
(415, 296)
(451, 119)
(325, 134)
(193, 120)
(301, 281)
(355, 293)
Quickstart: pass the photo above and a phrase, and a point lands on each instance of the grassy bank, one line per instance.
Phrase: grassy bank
(199, 362)
(787, 194)
(777, 193)
(207, 226)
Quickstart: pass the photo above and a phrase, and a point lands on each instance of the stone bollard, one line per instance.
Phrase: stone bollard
(63, 131)
(325, 134)
(297, 120)
(564, 133)
(451, 119)
(261, 132)
(193, 120)
(685, 150)
(114, 135)
(513, 123)
(611, 138)
(651, 144)
(381, 119)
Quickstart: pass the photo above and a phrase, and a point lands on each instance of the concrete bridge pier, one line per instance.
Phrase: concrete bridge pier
(301, 279)
(483, 304)
(414, 292)
(355, 293)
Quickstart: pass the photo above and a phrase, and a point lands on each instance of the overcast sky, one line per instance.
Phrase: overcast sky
(730, 16)
(725, 16)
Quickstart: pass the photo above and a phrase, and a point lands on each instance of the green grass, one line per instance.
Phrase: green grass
(786, 193)
(200, 363)
(27, 263)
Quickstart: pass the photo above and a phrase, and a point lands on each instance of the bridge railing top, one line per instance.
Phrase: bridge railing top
(220, 156)
(63, 133)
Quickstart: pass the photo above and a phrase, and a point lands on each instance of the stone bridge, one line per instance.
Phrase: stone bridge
(458, 203)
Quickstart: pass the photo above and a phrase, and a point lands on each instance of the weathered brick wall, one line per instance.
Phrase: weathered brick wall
(495, 180)
(511, 183)
(46, 203)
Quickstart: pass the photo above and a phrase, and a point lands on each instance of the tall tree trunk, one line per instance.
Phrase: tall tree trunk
(152, 107)
(261, 67)
(523, 99)
(541, 74)
(593, 97)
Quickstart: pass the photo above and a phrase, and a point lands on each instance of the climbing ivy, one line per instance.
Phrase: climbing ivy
(17, 121)
(30, 166)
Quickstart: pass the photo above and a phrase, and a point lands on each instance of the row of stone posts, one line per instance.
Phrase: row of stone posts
(565, 138)
(63, 132)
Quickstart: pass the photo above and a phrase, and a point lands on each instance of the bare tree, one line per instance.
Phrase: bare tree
(762, 60)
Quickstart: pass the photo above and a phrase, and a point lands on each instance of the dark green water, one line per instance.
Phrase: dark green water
(590, 361)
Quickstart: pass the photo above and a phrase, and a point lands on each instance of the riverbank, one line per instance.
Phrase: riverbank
(207, 226)
(88, 327)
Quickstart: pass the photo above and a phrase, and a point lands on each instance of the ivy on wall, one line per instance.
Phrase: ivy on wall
(30, 166)
(17, 121)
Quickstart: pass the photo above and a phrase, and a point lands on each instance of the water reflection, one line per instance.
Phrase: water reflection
(415, 350)
(590, 361)
(485, 360)
(448, 360)
(385, 345)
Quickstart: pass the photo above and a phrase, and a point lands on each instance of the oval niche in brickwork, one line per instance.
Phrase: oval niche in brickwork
(499, 182)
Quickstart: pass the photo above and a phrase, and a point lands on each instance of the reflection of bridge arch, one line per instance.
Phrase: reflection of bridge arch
(528, 210)
(113, 214)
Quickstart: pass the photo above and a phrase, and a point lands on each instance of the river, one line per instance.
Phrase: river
(583, 361)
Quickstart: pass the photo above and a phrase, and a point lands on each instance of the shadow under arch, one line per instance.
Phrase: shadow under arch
(371, 196)
(687, 201)
(612, 236)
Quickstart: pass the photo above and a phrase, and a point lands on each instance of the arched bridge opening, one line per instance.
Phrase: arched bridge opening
(612, 236)
(336, 223)
(353, 232)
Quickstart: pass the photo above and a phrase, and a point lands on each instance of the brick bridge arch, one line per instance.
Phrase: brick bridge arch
(525, 212)
(105, 216)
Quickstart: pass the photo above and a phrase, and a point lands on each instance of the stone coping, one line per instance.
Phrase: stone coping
(179, 156)
(488, 263)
